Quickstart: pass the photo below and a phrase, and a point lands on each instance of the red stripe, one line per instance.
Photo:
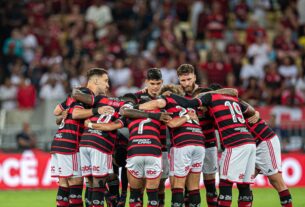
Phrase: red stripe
(189, 134)
(66, 140)
(227, 161)
(96, 135)
(271, 151)
(148, 128)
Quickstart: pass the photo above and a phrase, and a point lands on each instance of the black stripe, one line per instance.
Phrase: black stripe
(144, 150)
(221, 113)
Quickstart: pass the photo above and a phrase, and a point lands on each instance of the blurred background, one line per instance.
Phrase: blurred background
(46, 48)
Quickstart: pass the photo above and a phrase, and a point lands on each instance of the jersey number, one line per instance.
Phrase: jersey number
(236, 113)
(141, 125)
(184, 112)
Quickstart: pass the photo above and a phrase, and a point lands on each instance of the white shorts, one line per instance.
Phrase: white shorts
(65, 166)
(148, 167)
(95, 163)
(165, 165)
(210, 162)
(238, 164)
(268, 156)
(186, 159)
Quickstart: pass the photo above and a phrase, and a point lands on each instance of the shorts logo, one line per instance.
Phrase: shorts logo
(187, 168)
(96, 168)
(133, 172)
(151, 172)
(241, 176)
(59, 169)
(198, 164)
(86, 168)
(52, 168)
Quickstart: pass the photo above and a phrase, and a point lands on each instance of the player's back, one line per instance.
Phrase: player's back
(189, 133)
(228, 115)
(144, 137)
(101, 140)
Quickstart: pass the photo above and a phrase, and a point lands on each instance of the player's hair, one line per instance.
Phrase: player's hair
(130, 97)
(172, 88)
(215, 86)
(185, 69)
(96, 71)
(201, 90)
(154, 74)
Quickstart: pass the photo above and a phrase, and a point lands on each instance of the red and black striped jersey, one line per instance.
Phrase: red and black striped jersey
(143, 96)
(67, 137)
(144, 137)
(260, 130)
(189, 133)
(208, 128)
(228, 115)
(101, 140)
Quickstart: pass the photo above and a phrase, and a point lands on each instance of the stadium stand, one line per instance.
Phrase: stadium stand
(46, 49)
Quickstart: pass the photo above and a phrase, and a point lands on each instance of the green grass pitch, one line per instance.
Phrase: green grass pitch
(46, 198)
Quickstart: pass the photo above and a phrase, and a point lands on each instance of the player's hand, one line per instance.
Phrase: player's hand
(165, 117)
(106, 110)
(167, 93)
(87, 121)
(64, 114)
(193, 116)
(253, 119)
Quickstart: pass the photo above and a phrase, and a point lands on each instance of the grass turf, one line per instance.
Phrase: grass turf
(46, 198)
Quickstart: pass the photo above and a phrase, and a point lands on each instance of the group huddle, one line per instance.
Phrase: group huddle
(161, 132)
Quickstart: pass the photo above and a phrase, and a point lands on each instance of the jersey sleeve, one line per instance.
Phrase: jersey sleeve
(206, 99)
(186, 103)
(63, 105)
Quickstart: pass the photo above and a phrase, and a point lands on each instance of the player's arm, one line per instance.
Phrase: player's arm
(178, 121)
(192, 103)
(136, 114)
(247, 110)
(117, 124)
(82, 97)
(152, 105)
(225, 91)
(61, 117)
(60, 108)
(81, 113)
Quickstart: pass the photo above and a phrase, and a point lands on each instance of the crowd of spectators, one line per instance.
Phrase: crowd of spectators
(256, 46)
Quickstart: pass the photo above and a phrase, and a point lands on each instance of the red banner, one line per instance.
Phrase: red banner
(31, 170)
(27, 170)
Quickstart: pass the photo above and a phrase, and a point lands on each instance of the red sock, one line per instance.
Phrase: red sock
(285, 198)
(75, 199)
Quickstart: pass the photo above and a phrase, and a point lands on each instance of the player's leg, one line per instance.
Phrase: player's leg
(124, 182)
(63, 192)
(76, 191)
(88, 192)
(164, 176)
(71, 169)
(113, 192)
(135, 175)
(153, 171)
(180, 165)
(210, 167)
(225, 186)
(193, 178)
(245, 194)
(101, 169)
(268, 160)
(86, 172)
